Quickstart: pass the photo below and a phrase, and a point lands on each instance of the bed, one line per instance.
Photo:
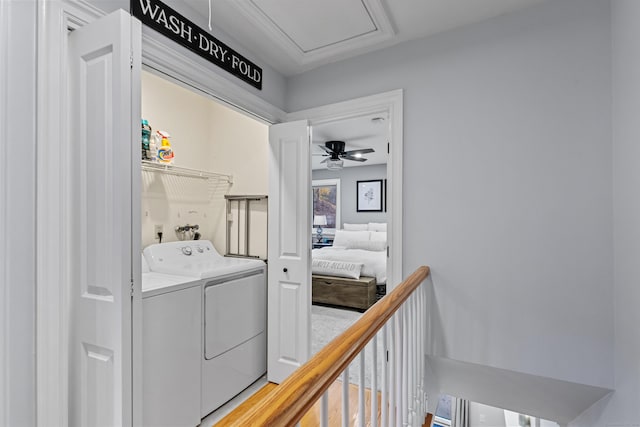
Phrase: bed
(353, 271)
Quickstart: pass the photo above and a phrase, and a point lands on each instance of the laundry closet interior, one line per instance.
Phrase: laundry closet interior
(204, 239)
(224, 153)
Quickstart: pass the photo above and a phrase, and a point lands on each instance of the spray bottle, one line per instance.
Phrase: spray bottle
(165, 153)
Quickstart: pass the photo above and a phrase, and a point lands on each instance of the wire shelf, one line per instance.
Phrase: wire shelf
(184, 172)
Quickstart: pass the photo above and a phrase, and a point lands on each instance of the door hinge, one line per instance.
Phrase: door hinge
(131, 60)
(132, 287)
(387, 251)
(388, 148)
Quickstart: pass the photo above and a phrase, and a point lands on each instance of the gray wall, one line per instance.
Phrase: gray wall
(621, 408)
(17, 199)
(348, 178)
(507, 182)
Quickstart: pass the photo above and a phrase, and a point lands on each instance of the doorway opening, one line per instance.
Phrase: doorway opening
(350, 223)
(203, 314)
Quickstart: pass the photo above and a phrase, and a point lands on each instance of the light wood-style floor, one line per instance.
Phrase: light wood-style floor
(312, 418)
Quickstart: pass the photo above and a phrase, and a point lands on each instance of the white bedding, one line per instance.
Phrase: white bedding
(375, 262)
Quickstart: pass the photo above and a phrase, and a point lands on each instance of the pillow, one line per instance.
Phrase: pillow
(342, 237)
(336, 268)
(369, 245)
(377, 226)
(379, 236)
(355, 227)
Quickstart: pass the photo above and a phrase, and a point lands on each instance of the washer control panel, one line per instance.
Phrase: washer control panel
(172, 253)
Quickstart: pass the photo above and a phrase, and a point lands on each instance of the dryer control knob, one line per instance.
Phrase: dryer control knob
(186, 250)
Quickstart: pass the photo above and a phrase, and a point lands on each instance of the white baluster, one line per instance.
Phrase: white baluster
(411, 409)
(345, 397)
(374, 381)
(361, 389)
(399, 362)
(324, 409)
(423, 344)
(416, 369)
(418, 390)
(405, 366)
(393, 356)
(384, 413)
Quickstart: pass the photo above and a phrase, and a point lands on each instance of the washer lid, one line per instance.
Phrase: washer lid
(153, 281)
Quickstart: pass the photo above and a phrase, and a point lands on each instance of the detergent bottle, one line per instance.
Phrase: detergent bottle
(165, 153)
(146, 135)
(154, 144)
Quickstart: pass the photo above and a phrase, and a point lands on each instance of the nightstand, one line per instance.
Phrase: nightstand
(317, 245)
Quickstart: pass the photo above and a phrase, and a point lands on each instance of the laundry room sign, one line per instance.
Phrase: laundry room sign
(166, 21)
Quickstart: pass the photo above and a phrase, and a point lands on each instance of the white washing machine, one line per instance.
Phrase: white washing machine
(171, 348)
(234, 315)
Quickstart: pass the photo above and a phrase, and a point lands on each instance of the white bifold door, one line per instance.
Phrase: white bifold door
(289, 277)
(104, 124)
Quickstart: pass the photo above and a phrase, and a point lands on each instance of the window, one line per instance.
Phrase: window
(443, 412)
(326, 201)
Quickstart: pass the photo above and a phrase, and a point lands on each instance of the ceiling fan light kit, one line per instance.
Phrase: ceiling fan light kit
(334, 164)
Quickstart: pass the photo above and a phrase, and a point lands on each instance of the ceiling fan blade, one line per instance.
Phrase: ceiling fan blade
(325, 160)
(360, 151)
(320, 154)
(355, 159)
(326, 149)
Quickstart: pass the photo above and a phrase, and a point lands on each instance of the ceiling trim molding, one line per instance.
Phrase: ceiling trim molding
(384, 31)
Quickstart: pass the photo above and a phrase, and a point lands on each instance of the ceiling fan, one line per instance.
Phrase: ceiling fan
(335, 152)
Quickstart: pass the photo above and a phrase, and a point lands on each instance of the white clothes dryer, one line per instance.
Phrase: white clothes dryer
(234, 315)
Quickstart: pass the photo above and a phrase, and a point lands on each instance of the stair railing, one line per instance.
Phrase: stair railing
(397, 390)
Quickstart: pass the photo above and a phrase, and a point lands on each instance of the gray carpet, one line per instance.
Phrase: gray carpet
(327, 323)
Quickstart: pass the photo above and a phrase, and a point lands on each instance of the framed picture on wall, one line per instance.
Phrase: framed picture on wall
(326, 202)
(370, 196)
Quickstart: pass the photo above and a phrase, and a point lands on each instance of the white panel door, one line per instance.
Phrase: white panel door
(289, 275)
(102, 124)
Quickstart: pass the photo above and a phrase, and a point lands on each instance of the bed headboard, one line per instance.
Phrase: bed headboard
(370, 226)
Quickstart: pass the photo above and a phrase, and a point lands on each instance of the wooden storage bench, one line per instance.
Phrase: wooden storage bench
(353, 293)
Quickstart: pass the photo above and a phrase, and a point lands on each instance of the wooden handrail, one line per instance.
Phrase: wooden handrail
(288, 402)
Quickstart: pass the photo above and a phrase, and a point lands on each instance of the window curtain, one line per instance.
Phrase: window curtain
(461, 414)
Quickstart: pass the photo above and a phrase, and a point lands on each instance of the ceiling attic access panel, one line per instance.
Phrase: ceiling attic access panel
(311, 31)
(316, 25)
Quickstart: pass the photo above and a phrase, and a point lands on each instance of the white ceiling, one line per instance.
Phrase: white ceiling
(360, 132)
(294, 36)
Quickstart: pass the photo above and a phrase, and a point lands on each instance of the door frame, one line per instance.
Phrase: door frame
(159, 55)
(389, 103)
